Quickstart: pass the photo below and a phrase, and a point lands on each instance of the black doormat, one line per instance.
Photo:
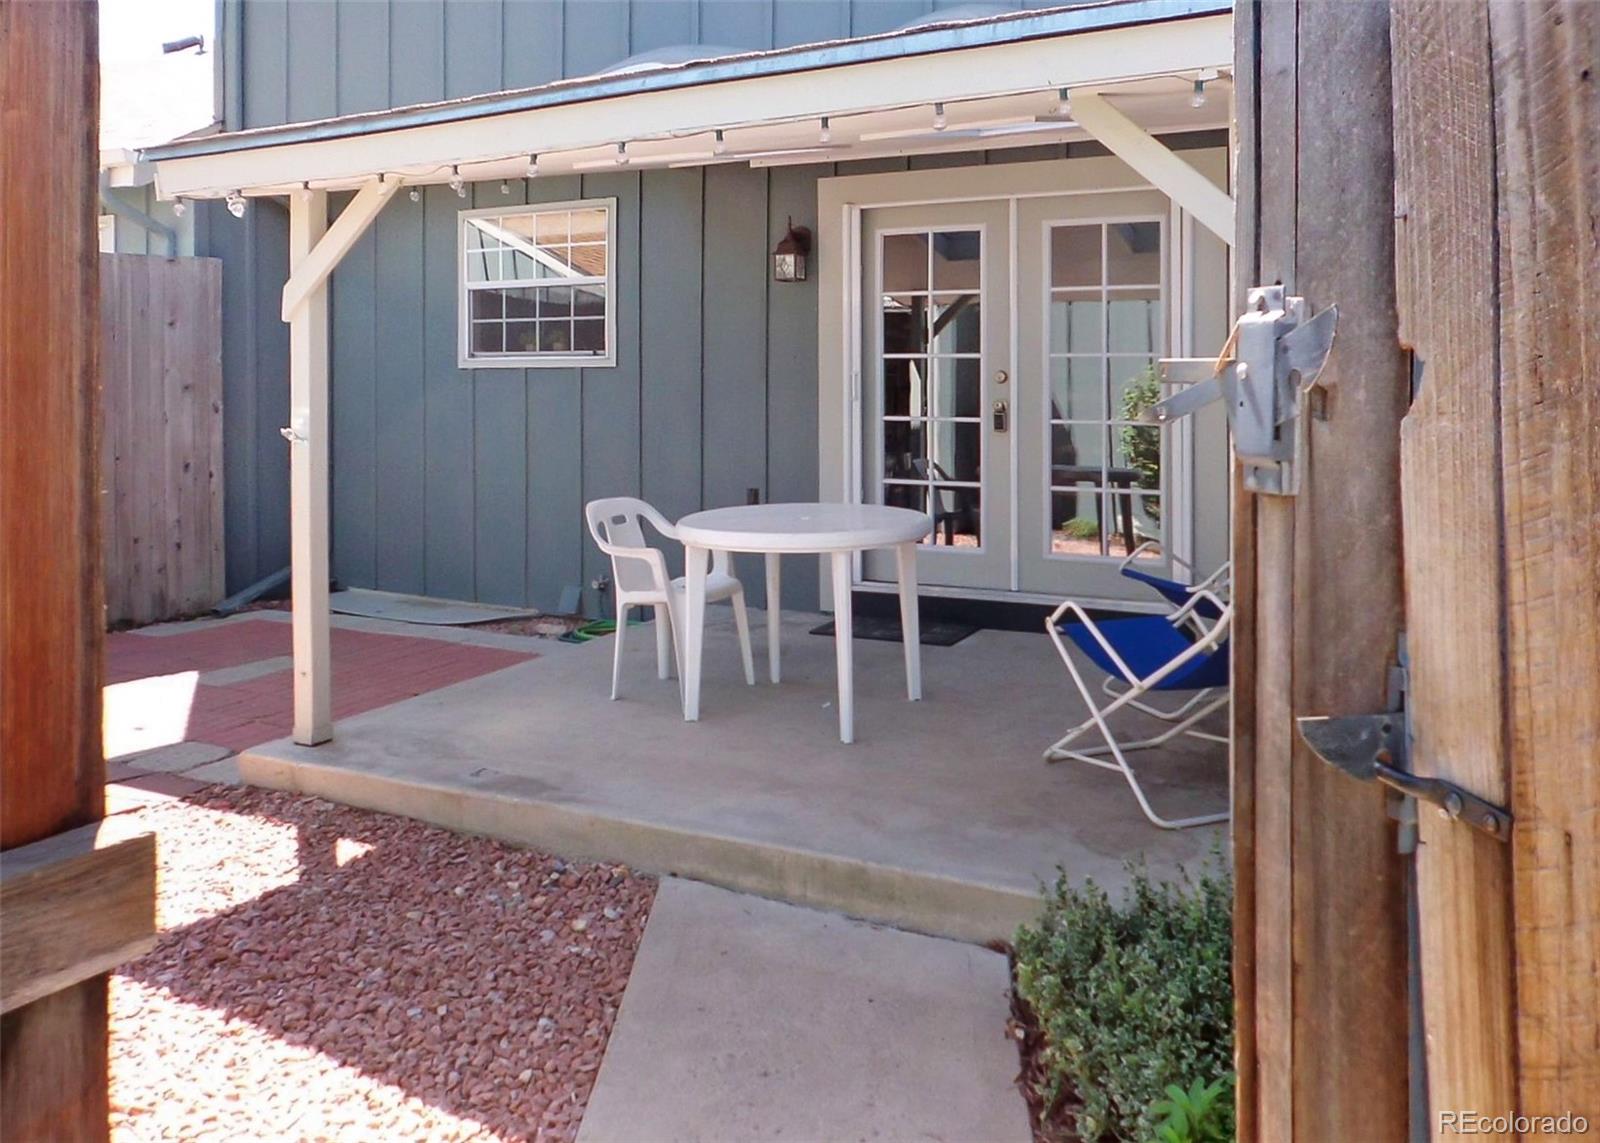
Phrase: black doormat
(887, 630)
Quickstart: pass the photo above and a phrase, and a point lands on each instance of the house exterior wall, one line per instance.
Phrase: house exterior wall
(470, 483)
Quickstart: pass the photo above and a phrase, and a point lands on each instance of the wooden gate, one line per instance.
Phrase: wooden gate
(1435, 171)
(161, 358)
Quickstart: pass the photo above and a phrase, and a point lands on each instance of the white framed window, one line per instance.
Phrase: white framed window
(536, 286)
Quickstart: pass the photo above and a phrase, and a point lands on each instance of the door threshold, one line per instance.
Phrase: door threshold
(997, 611)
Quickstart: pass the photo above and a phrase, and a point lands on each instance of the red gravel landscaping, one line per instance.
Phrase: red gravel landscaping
(329, 973)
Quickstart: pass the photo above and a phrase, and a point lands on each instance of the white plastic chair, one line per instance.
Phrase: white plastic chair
(640, 575)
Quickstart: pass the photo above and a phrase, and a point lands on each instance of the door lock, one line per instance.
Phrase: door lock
(1000, 416)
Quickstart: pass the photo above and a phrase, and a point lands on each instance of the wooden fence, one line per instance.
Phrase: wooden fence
(161, 369)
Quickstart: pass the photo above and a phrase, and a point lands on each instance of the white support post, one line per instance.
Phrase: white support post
(1208, 203)
(308, 477)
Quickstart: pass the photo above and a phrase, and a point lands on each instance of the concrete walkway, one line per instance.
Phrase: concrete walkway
(747, 1019)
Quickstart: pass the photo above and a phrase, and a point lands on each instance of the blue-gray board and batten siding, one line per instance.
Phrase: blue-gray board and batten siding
(470, 483)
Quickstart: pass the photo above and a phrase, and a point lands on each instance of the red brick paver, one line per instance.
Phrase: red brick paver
(369, 671)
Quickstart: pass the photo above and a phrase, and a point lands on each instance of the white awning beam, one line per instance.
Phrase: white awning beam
(312, 271)
(1210, 205)
(1084, 59)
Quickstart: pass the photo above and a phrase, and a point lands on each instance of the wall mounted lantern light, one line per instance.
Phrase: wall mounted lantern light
(789, 256)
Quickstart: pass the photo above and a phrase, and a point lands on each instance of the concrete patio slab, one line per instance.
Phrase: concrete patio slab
(752, 1020)
(941, 818)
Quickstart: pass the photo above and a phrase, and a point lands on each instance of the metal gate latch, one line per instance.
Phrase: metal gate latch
(1372, 747)
(1272, 358)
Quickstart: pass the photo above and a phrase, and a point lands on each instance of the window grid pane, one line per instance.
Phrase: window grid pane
(536, 282)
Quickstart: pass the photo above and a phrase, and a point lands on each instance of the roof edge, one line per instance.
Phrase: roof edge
(953, 36)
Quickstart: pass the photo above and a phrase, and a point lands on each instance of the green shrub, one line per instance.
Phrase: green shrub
(1203, 1114)
(1132, 997)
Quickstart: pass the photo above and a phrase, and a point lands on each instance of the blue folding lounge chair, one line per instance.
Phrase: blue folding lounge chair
(1178, 594)
(1179, 652)
(1174, 591)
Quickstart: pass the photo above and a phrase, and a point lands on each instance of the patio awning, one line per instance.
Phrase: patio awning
(996, 80)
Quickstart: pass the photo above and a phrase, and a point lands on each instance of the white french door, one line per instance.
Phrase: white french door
(936, 346)
(1007, 348)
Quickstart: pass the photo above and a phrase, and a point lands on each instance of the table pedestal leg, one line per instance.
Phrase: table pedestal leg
(692, 637)
(910, 625)
(774, 614)
(842, 648)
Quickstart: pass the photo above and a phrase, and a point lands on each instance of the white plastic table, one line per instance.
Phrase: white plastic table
(774, 530)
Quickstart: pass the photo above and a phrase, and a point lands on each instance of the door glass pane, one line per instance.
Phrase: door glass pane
(912, 496)
(957, 519)
(1135, 386)
(1121, 537)
(904, 450)
(1136, 455)
(1077, 389)
(905, 387)
(1134, 322)
(1077, 453)
(957, 324)
(955, 450)
(1077, 322)
(905, 324)
(1075, 521)
(1133, 253)
(1131, 520)
(956, 389)
(956, 264)
(1075, 256)
(905, 262)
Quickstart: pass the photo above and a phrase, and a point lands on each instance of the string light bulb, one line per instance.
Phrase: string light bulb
(505, 187)
(938, 117)
(179, 207)
(533, 166)
(415, 195)
(457, 183)
(236, 204)
(622, 154)
(825, 135)
(1198, 99)
(720, 145)
(1063, 103)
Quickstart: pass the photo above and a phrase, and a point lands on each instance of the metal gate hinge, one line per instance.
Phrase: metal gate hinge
(1272, 358)
(1372, 747)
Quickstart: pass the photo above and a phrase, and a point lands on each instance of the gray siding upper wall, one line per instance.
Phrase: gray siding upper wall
(311, 59)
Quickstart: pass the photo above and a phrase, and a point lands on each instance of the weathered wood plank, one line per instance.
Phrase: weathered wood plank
(72, 906)
(1242, 643)
(1350, 902)
(1445, 280)
(53, 1074)
(1327, 984)
(1547, 118)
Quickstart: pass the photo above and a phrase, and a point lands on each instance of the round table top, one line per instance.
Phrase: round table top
(802, 527)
